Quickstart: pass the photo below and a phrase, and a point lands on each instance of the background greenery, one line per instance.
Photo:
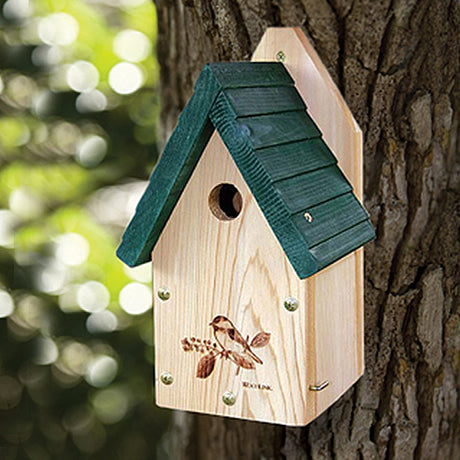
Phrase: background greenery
(78, 106)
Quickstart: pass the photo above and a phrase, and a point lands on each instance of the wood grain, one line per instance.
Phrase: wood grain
(276, 129)
(264, 100)
(306, 190)
(234, 268)
(295, 158)
(259, 75)
(339, 325)
(238, 269)
(343, 209)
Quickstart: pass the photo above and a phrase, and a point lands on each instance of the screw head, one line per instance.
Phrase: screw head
(291, 304)
(308, 217)
(166, 378)
(281, 56)
(245, 130)
(229, 398)
(164, 293)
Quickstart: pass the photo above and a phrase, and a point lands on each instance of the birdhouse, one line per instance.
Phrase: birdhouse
(253, 223)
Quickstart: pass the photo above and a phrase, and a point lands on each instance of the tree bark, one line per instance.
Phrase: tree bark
(397, 64)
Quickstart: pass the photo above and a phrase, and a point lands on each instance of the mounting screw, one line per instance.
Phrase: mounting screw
(291, 304)
(166, 378)
(164, 293)
(229, 398)
(308, 217)
(281, 56)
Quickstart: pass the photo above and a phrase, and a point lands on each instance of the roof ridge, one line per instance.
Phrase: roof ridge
(249, 74)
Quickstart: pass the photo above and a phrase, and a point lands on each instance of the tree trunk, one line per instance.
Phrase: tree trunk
(397, 64)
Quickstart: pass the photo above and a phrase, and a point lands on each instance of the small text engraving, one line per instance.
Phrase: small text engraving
(257, 386)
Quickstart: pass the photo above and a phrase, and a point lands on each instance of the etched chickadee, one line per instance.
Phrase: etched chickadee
(229, 338)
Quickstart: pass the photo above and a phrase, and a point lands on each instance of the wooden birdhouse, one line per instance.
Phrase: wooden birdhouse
(253, 222)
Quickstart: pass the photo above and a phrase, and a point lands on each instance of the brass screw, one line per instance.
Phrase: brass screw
(164, 293)
(319, 387)
(308, 217)
(166, 378)
(229, 398)
(291, 304)
(281, 56)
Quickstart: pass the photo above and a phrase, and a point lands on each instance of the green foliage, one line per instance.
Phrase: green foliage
(78, 114)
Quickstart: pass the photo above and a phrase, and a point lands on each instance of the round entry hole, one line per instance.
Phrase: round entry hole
(225, 201)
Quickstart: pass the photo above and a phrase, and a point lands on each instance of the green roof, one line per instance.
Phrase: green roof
(278, 149)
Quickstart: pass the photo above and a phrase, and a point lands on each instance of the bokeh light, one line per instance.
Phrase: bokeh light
(51, 277)
(125, 78)
(46, 55)
(6, 304)
(74, 358)
(93, 296)
(72, 249)
(135, 298)
(102, 321)
(46, 351)
(65, 136)
(132, 45)
(8, 222)
(17, 9)
(101, 371)
(58, 29)
(30, 312)
(21, 90)
(115, 205)
(68, 299)
(91, 101)
(141, 273)
(111, 404)
(25, 204)
(14, 133)
(91, 151)
(82, 76)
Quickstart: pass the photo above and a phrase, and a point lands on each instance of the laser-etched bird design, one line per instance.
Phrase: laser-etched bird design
(229, 338)
(229, 345)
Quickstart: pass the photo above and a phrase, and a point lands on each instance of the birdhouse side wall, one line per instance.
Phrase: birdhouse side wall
(338, 290)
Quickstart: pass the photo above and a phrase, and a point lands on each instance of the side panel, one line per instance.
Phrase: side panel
(337, 292)
(237, 269)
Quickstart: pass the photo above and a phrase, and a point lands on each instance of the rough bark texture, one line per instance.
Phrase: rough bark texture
(397, 64)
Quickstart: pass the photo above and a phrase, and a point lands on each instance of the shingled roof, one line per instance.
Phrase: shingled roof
(278, 149)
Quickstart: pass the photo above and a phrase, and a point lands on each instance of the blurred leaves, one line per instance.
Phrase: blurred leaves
(78, 115)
